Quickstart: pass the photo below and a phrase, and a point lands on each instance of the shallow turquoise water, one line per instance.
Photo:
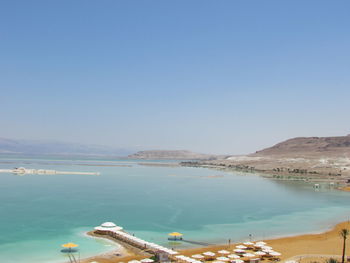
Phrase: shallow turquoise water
(38, 213)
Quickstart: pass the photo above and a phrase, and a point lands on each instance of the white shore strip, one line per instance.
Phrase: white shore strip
(22, 171)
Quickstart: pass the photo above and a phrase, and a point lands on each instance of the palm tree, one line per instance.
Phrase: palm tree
(344, 234)
(331, 260)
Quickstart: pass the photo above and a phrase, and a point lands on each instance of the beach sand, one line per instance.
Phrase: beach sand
(303, 248)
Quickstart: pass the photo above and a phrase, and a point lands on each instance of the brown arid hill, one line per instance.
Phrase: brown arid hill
(170, 155)
(310, 146)
(306, 158)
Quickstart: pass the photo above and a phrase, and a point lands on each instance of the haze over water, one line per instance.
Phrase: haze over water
(41, 212)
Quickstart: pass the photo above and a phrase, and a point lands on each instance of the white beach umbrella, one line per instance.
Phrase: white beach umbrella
(248, 243)
(224, 252)
(199, 256)
(218, 261)
(266, 247)
(239, 250)
(260, 253)
(147, 260)
(222, 259)
(260, 243)
(267, 250)
(109, 225)
(179, 256)
(254, 259)
(234, 256)
(241, 247)
(237, 261)
(275, 254)
(133, 261)
(209, 253)
(249, 255)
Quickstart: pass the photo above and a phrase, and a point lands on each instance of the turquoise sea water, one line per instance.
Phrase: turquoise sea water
(38, 213)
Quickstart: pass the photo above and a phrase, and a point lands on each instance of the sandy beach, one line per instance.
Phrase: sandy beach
(303, 248)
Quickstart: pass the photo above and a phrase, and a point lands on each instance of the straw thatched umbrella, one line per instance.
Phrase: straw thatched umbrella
(175, 236)
(70, 246)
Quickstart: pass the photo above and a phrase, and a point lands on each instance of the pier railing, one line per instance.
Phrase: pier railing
(152, 248)
(139, 243)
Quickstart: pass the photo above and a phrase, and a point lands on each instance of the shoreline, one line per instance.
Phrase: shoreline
(276, 172)
(321, 179)
(302, 244)
(304, 247)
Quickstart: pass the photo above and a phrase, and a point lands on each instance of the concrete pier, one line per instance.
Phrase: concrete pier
(164, 254)
(117, 232)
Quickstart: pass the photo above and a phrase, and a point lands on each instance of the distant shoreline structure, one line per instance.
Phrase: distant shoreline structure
(23, 171)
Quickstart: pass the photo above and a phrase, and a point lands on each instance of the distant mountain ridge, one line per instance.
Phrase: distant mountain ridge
(29, 147)
(170, 155)
(309, 146)
(302, 158)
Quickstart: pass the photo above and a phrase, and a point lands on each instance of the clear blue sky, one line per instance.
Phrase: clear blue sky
(210, 76)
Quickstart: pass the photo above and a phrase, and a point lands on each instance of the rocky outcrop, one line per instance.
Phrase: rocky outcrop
(309, 146)
(303, 157)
